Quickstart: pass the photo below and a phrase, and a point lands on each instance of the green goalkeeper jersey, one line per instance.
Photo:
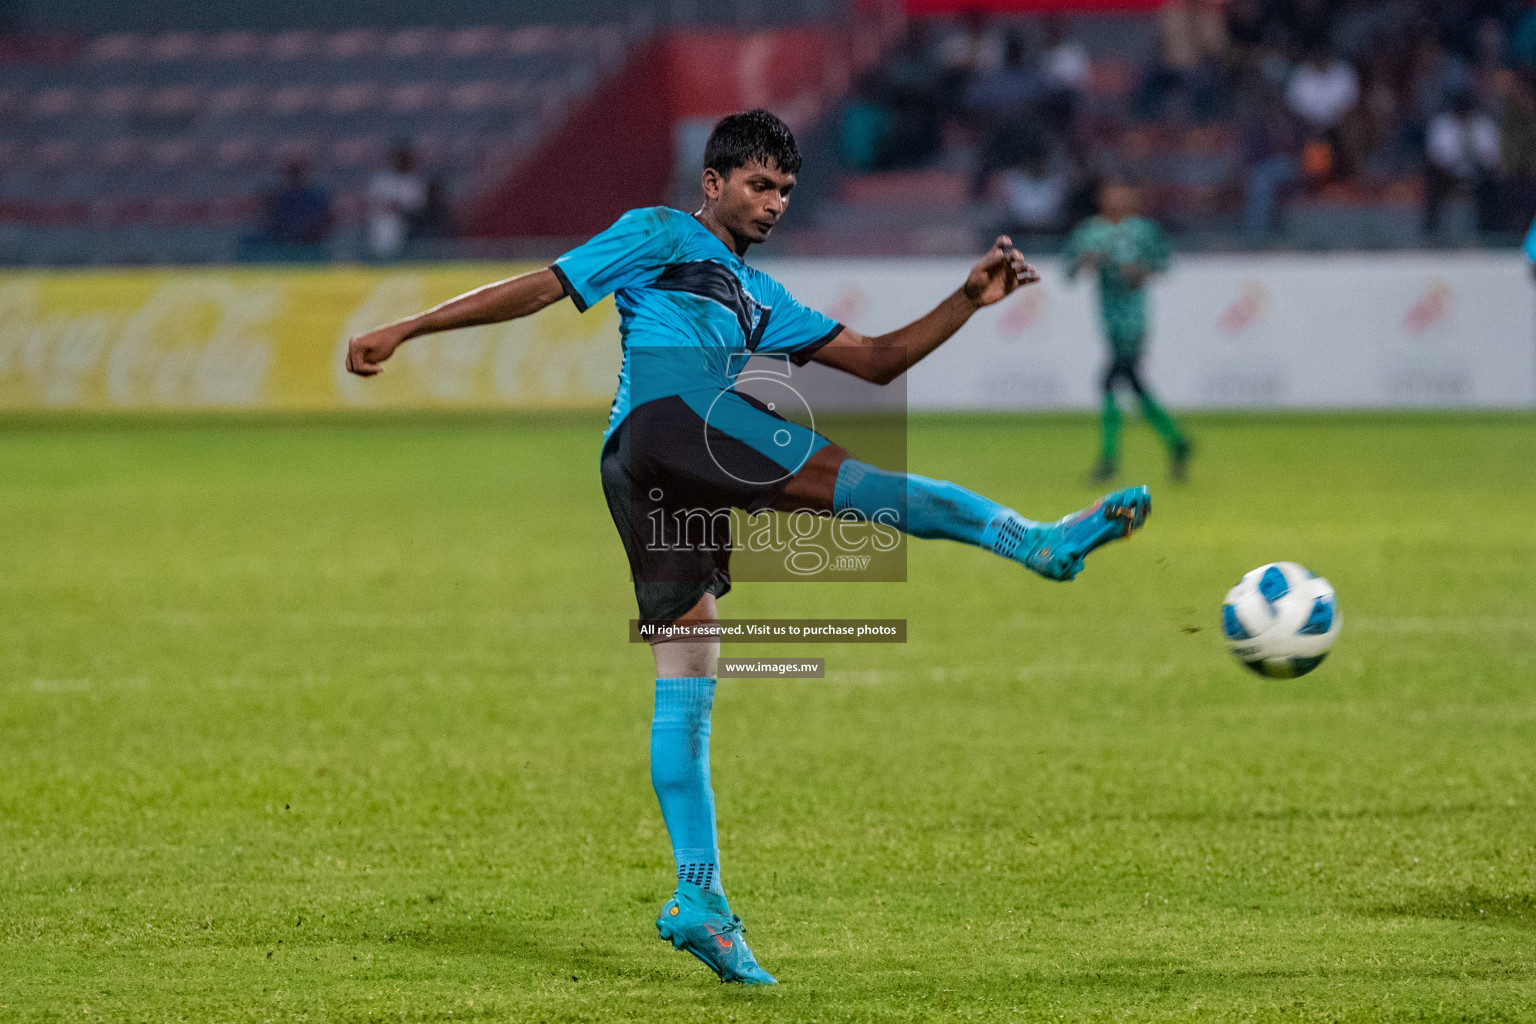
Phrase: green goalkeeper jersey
(1135, 241)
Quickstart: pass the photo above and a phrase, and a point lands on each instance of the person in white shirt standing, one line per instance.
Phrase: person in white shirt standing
(1461, 151)
(1322, 90)
(396, 194)
(1065, 62)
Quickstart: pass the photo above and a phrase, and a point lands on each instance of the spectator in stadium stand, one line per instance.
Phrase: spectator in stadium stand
(1322, 89)
(1192, 54)
(1308, 24)
(1065, 67)
(975, 48)
(1088, 174)
(1462, 159)
(1005, 105)
(1014, 87)
(1517, 144)
(297, 212)
(397, 194)
(1437, 75)
(1034, 194)
(1370, 138)
(1522, 41)
(1258, 72)
(436, 218)
(863, 127)
(1271, 144)
(1487, 71)
(1246, 25)
(912, 91)
(1066, 62)
(1364, 25)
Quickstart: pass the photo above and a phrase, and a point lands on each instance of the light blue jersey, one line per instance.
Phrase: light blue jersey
(691, 313)
(1530, 243)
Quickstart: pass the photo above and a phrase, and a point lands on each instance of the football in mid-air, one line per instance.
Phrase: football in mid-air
(1280, 620)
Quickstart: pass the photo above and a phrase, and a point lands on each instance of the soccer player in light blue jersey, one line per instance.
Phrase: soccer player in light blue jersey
(680, 438)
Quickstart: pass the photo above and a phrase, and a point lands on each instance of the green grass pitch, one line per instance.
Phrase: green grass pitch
(334, 720)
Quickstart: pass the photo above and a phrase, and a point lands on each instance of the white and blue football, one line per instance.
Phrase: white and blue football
(1280, 620)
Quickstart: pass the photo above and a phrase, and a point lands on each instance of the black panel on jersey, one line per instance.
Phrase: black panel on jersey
(710, 280)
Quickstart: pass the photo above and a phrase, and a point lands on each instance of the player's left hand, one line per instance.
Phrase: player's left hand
(1000, 271)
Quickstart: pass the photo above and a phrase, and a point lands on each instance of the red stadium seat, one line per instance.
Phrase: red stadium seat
(354, 97)
(114, 48)
(289, 46)
(926, 189)
(481, 95)
(176, 46)
(175, 154)
(413, 97)
(415, 42)
(241, 151)
(358, 151)
(176, 101)
(58, 102)
(57, 154)
(117, 101)
(235, 100)
(290, 100)
(181, 127)
(472, 42)
(362, 42)
(235, 45)
(298, 147)
(122, 152)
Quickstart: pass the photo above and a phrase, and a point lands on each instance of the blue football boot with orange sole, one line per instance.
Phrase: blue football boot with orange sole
(1056, 550)
(700, 922)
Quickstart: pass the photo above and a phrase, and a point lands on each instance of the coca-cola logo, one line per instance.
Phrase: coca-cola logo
(849, 303)
(1023, 311)
(1433, 307)
(1247, 308)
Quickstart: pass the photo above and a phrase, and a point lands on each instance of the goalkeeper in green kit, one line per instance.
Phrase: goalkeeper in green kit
(1126, 250)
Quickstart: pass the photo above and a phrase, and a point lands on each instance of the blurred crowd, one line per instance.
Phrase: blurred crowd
(298, 214)
(1238, 108)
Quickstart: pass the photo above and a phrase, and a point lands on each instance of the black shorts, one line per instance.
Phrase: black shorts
(672, 472)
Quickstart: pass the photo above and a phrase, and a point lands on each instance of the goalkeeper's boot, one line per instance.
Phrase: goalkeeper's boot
(701, 922)
(1056, 550)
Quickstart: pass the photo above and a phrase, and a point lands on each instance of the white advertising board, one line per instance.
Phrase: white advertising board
(1304, 331)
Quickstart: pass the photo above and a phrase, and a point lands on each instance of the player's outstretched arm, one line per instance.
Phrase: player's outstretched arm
(494, 303)
(884, 358)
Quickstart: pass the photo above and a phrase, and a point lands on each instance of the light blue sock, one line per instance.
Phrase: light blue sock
(928, 508)
(680, 775)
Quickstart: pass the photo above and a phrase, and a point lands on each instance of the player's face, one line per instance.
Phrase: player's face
(1117, 202)
(750, 200)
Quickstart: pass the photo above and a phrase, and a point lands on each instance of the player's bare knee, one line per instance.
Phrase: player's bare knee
(679, 660)
(811, 489)
(689, 658)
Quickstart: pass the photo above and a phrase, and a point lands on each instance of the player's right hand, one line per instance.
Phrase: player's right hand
(366, 352)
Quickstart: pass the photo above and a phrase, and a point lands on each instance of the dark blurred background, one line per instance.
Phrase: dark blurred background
(169, 132)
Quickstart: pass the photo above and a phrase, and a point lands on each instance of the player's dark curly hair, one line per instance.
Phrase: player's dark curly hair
(739, 139)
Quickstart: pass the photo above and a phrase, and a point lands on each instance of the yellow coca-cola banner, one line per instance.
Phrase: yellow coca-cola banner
(273, 338)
